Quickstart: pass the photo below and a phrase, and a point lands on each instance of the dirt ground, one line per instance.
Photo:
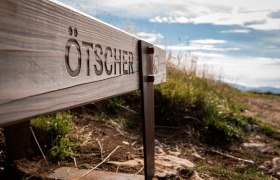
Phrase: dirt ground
(94, 141)
(264, 108)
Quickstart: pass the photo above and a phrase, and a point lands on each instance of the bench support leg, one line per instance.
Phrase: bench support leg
(18, 141)
(146, 52)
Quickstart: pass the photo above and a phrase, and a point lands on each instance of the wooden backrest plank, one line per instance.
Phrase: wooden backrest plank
(54, 58)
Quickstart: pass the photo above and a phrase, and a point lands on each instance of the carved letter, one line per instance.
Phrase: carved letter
(98, 52)
(87, 46)
(117, 61)
(108, 71)
(130, 57)
(72, 42)
(125, 70)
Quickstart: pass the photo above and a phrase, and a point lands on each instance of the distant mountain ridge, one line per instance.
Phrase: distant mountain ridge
(262, 89)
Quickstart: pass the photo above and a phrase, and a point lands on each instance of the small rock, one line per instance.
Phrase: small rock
(258, 137)
(262, 167)
(195, 154)
(267, 164)
(252, 128)
(125, 142)
(275, 165)
(205, 176)
(157, 143)
(168, 165)
(173, 161)
(161, 175)
(140, 148)
(133, 143)
(174, 153)
(210, 162)
(159, 151)
(258, 147)
(129, 163)
(195, 176)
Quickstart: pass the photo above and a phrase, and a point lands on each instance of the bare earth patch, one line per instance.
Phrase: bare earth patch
(264, 108)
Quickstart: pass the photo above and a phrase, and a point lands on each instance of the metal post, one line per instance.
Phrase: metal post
(146, 52)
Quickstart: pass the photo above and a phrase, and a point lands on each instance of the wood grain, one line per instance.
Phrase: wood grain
(39, 76)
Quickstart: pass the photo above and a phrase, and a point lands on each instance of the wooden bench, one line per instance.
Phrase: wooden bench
(53, 57)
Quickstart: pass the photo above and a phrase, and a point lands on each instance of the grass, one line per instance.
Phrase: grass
(268, 95)
(113, 104)
(61, 149)
(101, 117)
(239, 172)
(269, 130)
(85, 166)
(58, 124)
(210, 106)
(54, 130)
(207, 105)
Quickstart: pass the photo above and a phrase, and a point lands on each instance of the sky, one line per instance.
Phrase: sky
(237, 40)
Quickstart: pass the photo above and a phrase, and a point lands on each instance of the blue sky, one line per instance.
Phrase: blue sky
(238, 40)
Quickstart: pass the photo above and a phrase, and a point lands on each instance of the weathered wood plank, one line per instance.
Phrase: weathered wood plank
(54, 58)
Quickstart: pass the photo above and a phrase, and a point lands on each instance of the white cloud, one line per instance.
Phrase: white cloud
(255, 22)
(194, 47)
(245, 13)
(270, 47)
(259, 20)
(245, 70)
(150, 37)
(236, 31)
(202, 45)
(260, 15)
(171, 19)
(208, 41)
(262, 71)
(275, 14)
(200, 54)
(271, 24)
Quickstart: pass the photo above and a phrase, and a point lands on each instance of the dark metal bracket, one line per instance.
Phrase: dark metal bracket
(146, 52)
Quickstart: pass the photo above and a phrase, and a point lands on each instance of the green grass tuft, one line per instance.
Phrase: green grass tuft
(239, 172)
(269, 130)
(55, 129)
(113, 104)
(58, 124)
(101, 117)
(62, 150)
(209, 105)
